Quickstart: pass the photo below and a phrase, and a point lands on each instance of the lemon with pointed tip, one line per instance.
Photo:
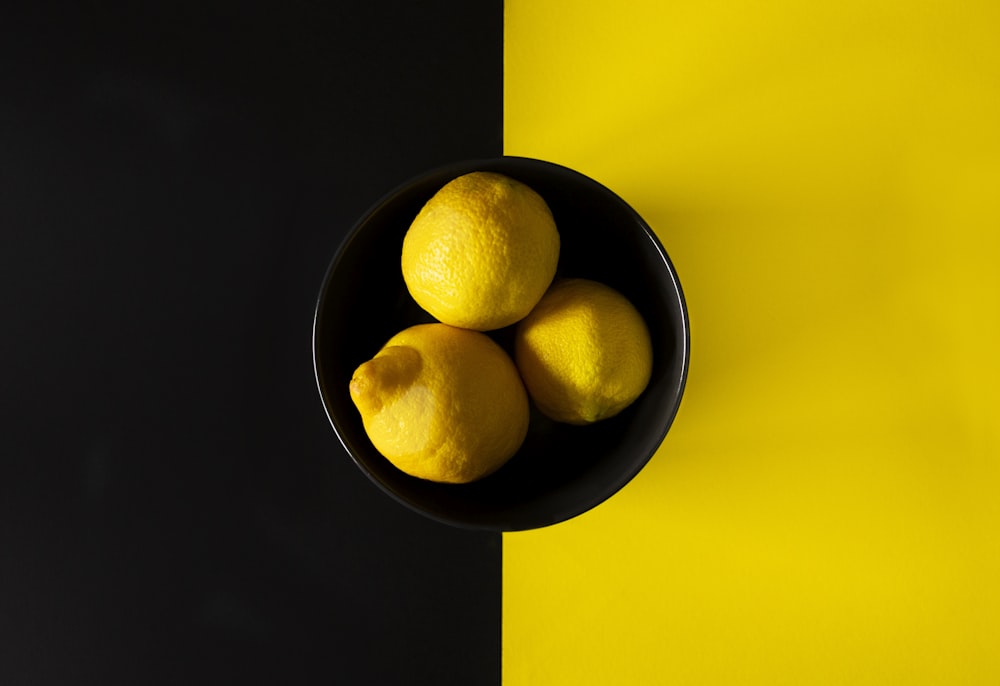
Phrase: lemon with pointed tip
(584, 352)
(442, 403)
(481, 252)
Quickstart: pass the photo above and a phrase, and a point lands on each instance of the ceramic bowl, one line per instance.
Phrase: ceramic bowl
(561, 470)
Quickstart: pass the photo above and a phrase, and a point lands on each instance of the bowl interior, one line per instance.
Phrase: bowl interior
(561, 470)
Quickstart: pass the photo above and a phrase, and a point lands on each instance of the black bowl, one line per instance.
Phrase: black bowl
(561, 470)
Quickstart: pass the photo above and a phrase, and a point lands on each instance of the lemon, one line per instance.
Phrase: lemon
(584, 352)
(442, 403)
(481, 252)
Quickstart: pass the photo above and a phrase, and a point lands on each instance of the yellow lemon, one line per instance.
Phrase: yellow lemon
(442, 403)
(481, 252)
(584, 352)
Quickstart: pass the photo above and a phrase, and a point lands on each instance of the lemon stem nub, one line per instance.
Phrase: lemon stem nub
(384, 377)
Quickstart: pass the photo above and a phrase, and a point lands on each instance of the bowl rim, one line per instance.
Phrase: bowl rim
(610, 488)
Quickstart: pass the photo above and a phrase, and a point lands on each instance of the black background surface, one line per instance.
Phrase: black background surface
(174, 506)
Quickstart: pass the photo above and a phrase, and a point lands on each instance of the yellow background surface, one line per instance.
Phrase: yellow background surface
(826, 179)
